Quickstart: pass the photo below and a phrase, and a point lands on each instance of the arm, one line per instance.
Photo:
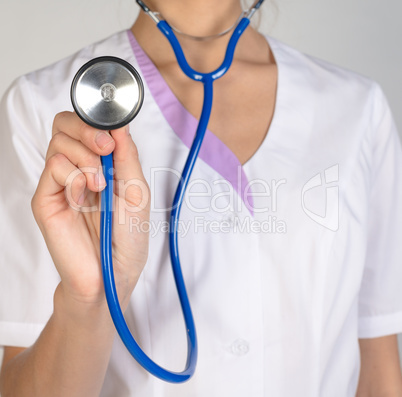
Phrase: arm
(71, 355)
(69, 358)
(380, 374)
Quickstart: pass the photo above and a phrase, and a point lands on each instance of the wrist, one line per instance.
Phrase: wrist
(69, 310)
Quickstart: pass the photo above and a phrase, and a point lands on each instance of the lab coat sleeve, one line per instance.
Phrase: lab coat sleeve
(380, 298)
(27, 275)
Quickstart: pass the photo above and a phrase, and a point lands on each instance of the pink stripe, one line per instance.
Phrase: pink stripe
(213, 151)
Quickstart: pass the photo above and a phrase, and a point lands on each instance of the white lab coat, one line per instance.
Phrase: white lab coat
(288, 260)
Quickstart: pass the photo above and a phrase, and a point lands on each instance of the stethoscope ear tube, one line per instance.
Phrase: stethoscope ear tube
(113, 300)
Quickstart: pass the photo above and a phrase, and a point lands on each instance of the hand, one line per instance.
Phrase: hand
(66, 207)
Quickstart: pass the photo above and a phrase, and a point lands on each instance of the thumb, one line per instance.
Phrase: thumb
(130, 181)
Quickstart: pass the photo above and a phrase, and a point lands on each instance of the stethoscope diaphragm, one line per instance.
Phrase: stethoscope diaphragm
(107, 93)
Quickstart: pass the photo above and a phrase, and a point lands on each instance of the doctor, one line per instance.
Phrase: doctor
(279, 314)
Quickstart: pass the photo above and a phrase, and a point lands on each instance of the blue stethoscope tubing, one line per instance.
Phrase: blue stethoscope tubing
(106, 221)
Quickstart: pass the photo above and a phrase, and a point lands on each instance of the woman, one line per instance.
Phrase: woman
(281, 291)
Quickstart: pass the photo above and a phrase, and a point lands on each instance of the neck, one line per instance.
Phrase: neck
(196, 18)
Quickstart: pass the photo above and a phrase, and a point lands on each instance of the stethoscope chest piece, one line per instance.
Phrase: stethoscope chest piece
(107, 93)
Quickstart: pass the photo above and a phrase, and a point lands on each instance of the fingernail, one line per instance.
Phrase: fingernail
(100, 181)
(103, 139)
(127, 129)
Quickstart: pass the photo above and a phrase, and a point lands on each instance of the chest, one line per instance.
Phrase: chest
(243, 104)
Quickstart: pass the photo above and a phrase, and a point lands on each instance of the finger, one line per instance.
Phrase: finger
(128, 171)
(59, 174)
(81, 156)
(98, 141)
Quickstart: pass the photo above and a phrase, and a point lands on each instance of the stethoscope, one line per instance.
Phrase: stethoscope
(107, 93)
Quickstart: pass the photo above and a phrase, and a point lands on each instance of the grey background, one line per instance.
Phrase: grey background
(361, 35)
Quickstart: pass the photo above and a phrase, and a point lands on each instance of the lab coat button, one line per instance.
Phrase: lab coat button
(239, 347)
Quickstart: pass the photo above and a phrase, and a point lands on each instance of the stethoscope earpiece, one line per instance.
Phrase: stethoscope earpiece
(107, 93)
